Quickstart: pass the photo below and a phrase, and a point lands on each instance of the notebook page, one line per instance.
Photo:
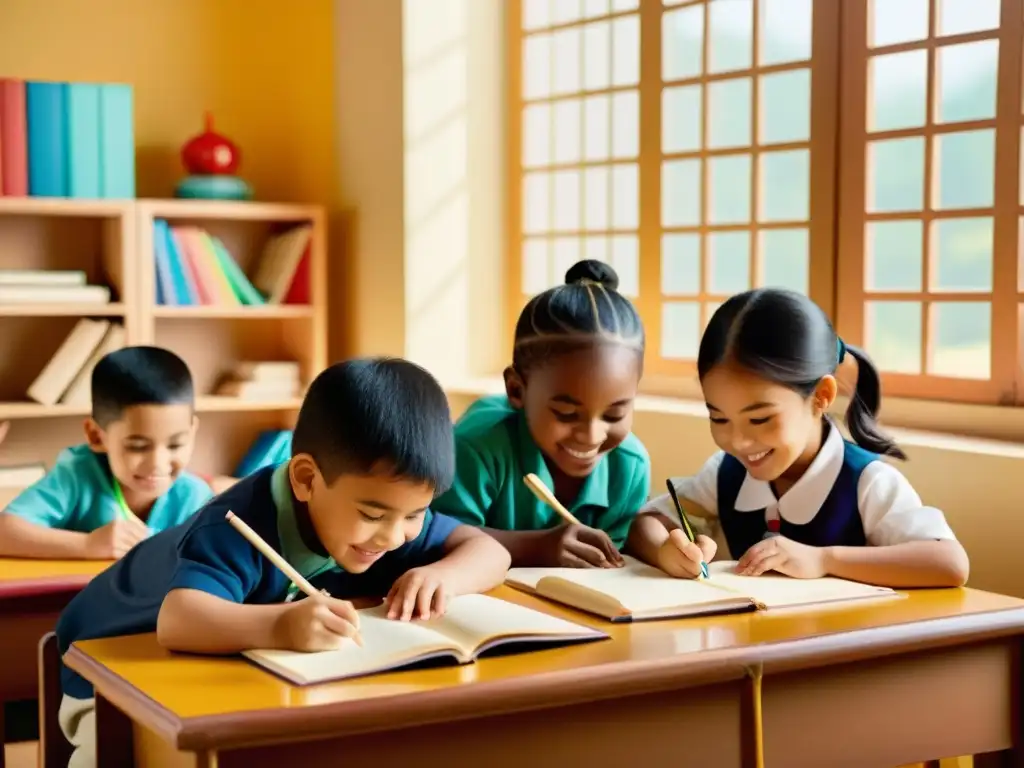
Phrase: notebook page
(472, 620)
(776, 591)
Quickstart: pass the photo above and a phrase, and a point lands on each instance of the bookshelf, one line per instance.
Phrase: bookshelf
(112, 242)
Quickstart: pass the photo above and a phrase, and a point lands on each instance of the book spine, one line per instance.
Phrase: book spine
(83, 131)
(117, 142)
(13, 128)
(45, 105)
(166, 294)
(247, 294)
(225, 292)
(184, 282)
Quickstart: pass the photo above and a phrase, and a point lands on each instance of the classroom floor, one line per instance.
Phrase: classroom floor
(24, 754)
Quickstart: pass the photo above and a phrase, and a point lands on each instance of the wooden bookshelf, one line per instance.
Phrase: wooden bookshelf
(112, 242)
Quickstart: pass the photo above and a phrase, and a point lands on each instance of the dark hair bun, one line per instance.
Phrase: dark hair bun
(593, 271)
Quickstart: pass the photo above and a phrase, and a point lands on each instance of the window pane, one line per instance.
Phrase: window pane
(536, 13)
(967, 80)
(893, 256)
(898, 21)
(536, 272)
(729, 104)
(785, 31)
(893, 335)
(895, 175)
(566, 193)
(536, 202)
(568, 131)
(729, 262)
(593, 8)
(625, 197)
(624, 5)
(680, 330)
(626, 50)
(682, 42)
(963, 255)
(681, 119)
(957, 17)
(596, 248)
(565, 57)
(898, 89)
(962, 340)
(731, 33)
(785, 259)
(786, 107)
(966, 169)
(597, 55)
(595, 198)
(536, 135)
(680, 264)
(680, 193)
(626, 124)
(537, 66)
(597, 135)
(729, 187)
(565, 253)
(785, 185)
(625, 259)
(565, 11)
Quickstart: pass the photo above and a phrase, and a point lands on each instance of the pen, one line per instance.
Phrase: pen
(687, 529)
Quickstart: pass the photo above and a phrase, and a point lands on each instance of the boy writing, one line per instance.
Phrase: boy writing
(128, 480)
(372, 447)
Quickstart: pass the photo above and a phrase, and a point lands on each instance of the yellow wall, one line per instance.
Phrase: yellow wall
(263, 67)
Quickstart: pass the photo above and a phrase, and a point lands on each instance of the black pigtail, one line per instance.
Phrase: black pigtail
(862, 413)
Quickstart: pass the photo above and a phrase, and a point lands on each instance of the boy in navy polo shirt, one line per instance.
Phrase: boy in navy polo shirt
(372, 447)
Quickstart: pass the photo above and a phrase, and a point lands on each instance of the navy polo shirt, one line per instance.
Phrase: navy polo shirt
(208, 554)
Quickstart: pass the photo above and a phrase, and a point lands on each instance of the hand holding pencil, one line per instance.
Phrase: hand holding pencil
(573, 545)
(685, 555)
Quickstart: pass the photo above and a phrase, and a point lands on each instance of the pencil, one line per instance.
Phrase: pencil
(544, 493)
(687, 529)
(279, 562)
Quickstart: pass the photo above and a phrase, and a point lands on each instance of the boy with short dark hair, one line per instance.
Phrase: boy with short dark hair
(372, 448)
(129, 478)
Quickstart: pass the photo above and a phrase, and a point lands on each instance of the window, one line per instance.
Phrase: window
(703, 147)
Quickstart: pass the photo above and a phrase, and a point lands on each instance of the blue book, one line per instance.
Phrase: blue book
(117, 142)
(45, 105)
(184, 291)
(270, 448)
(83, 132)
(165, 293)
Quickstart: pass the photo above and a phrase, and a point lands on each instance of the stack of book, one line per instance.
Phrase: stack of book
(66, 140)
(194, 267)
(42, 286)
(15, 479)
(67, 378)
(262, 381)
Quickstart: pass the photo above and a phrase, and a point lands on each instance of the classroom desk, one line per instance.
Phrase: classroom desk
(931, 675)
(32, 595)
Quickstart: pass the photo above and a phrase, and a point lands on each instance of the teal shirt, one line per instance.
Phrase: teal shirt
(78, 495)
(494, 450)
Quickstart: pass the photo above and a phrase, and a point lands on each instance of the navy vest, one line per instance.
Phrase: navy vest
(837, 523)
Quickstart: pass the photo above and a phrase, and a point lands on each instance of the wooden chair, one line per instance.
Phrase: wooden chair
(54, 749)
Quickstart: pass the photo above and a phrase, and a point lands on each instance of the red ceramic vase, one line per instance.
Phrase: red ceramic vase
(210, 153)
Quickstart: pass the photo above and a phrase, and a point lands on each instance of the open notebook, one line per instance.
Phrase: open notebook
(637, 591)
(473, 624)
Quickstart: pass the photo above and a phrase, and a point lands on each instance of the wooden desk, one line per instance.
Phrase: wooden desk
(32, 595)
(931, 675)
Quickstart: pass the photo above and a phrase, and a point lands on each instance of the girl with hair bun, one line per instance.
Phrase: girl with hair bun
(566, 416)
(790, 494)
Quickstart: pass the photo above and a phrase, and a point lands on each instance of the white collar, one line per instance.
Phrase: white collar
(800, 503)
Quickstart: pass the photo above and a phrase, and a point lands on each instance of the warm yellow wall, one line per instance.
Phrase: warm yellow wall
(263, 67)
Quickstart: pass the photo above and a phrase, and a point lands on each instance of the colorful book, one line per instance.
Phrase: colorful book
(207, 272)
(83, 140)
(45, 107)
(240, 284)
(117, 142)
(13, 139)
(184, 289)
(163, 278)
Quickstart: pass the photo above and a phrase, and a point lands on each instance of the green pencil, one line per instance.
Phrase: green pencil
(687, 528)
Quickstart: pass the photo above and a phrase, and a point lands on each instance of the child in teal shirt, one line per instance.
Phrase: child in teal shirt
(566, 417)
(128, 480)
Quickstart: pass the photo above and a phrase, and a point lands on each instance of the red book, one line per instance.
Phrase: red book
(298, 291)
(13, 143)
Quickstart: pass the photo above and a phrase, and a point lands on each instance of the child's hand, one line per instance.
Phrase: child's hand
(113, 540)
(418, 594)
(681, 558)
(785, 556)
(316, 624)
(578, 546)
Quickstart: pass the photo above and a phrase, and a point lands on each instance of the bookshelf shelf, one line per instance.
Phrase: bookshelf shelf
(56, 206)
(114, 309)
(27, 410)
(220, 404)
(280, 311)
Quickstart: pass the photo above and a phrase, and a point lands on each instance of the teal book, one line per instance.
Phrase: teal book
(83, 132)
(45, 105)
(117, 142)
(236, 277)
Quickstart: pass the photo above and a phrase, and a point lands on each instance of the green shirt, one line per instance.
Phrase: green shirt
(494, 450)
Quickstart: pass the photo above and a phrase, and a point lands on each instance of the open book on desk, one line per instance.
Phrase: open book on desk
(638, 591)
(472, 625)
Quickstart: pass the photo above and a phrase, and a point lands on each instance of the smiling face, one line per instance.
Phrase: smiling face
(579, 406)
(148, 447)
(359, 518)
(772, 429)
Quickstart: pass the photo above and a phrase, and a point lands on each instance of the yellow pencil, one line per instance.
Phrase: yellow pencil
(544, 493)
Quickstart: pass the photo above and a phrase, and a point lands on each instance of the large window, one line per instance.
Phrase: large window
(703, 147)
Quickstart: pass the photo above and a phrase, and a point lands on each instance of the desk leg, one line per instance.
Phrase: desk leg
(113, 736)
